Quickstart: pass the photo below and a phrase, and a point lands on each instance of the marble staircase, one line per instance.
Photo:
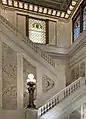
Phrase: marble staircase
(64, 102)
(61, 102)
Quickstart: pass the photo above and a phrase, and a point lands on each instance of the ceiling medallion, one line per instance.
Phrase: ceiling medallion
(42, 10)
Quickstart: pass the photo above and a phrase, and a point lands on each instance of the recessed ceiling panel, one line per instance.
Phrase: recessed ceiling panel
(54, 4)
(54, 8)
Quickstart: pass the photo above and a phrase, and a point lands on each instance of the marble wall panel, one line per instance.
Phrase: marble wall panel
(27, 69)
(9, 77)
(72, 74)
(47, 83)
(76, 114)
(78, 71)
(82, 69)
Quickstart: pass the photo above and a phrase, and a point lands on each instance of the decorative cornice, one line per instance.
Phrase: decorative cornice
(42, 10)
(67, 53)
(54, 51)
(58, 55)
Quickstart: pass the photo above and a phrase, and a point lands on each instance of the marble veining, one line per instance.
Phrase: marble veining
(9, 77)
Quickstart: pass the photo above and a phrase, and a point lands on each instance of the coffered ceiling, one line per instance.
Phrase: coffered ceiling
(53, 4)
(51, 8)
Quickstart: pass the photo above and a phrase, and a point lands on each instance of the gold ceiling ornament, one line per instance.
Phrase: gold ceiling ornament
(35, 8)
(10, 2)
(45, 10)
(49, 11)
(30, 7)
(25, 6)
(62, 14)
(54, 12)
(66, 16)
(40, 9)
(20, 5)
(15, 4)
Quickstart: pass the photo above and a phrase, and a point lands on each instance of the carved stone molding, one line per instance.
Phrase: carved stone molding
(82, 69)
(47, 83)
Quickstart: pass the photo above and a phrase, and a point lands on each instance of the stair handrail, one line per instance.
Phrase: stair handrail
(64, 93)
(38, 50)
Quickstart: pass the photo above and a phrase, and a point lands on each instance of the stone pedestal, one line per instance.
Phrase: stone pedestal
(31, 88)
(31, 113)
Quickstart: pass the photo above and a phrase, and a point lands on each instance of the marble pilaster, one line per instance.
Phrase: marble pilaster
(9, 77)
(0, 74)
(19, 81)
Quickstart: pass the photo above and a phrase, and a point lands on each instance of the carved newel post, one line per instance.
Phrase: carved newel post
(31, 83)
